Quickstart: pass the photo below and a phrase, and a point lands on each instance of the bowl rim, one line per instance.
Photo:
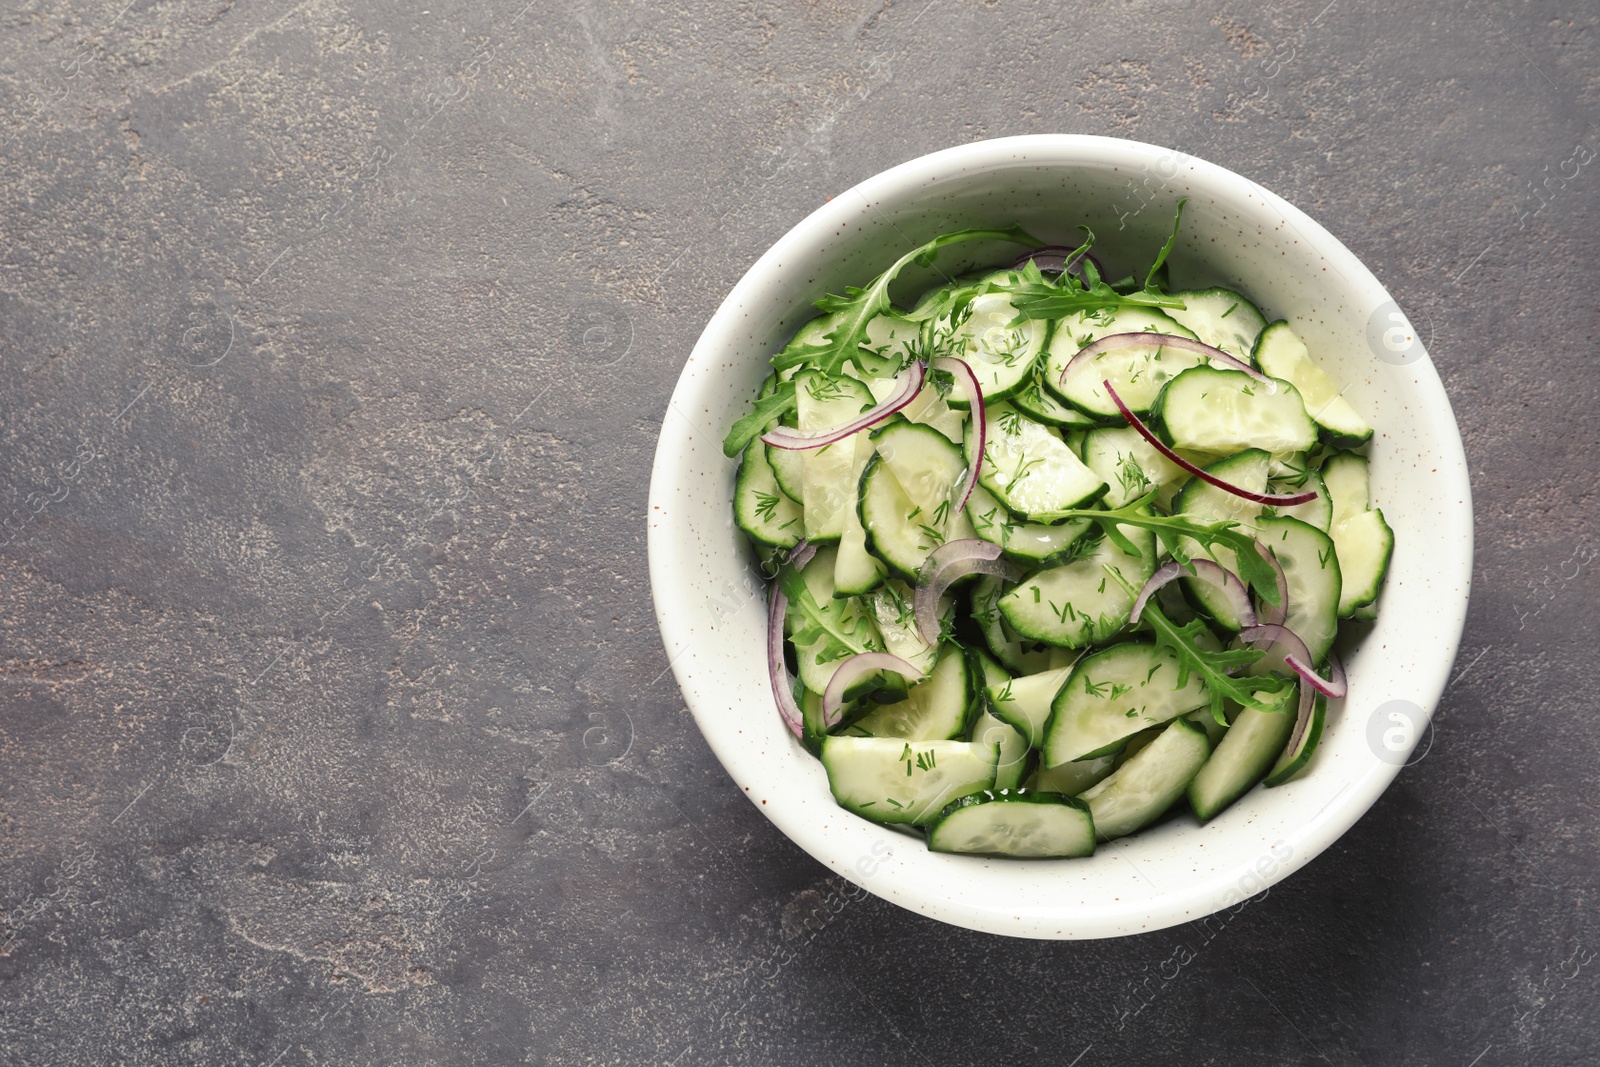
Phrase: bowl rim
(1167, 907)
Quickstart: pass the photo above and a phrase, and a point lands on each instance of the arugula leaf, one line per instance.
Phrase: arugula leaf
(858, 307)
(1036, 297)
(1171, 529)
(818, 621)
(1166, 250)
(773, 406)
(1213, 667)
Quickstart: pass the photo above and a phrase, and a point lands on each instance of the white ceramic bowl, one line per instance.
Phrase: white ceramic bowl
(712, 610)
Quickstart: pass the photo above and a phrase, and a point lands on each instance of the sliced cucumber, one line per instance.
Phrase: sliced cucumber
(1072, 778)
(886, 515)
(1281, 354)
(1222, 319)
(1363, 544)
(1036, 402)
(891, 608)
(1112, 695)
(1024, 703)
(1318, 512)
(1131, 466)
(1013, 749)
(1253, 742)
(1141, 790)
(925, 463)
(1223, 411)
(1137, 374)
(761, 509)
(856, 570)
(1311, 568)
(1081, 603)
(937, 709)
(1023, 657)
(1028, 467)
(1007, 823)
(786, 468)
(1345, 475)
(1000, 353)
(1294, 760)
(895, 781)
(986, 670)
(827, 474)
(1028, 542)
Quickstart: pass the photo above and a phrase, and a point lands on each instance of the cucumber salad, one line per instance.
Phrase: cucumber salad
(1051, 553)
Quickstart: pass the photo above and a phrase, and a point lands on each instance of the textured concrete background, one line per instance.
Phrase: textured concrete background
(335, 337)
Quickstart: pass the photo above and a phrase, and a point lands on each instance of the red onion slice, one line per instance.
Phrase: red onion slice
(1333, 687)
(847, 672)
(1302, 719)
(946, 565)
(980, 421)
(1297, 657)
(787, 437)
(777, 670)
(1165, 340)
(1279, 499)
(1206, 570)
(1275, 613)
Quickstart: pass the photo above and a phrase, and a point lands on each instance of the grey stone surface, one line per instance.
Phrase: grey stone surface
(335, 337)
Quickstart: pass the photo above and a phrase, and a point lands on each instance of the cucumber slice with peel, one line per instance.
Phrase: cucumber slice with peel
(1115, 693)
(762, 510)
(1224, 411)
(1280, 353)
(1205, 503)
(827, 474)
(1014, 823)
(1222, 319)
(1363, 544)
(1141, 790)
(1024, 703)
(1027, 542)
(1294, 760)
(1254, 741)
(1013, 749)
(907, 782)
(1081, 602)
(1028, 467)
(1137, 373)
(936, 709)
(1311, 569)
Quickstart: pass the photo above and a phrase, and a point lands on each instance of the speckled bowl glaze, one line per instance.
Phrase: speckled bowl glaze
(711, 606)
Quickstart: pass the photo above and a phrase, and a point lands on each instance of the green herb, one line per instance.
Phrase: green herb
(1231, 307)
(1171, 529)
(1022, 470)
(1093, 688)
(768, 409)
(766, 505)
